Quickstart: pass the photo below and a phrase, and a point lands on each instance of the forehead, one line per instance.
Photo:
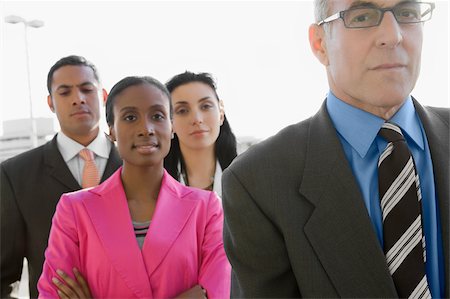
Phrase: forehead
(141, 96)
(192, 91)
(336, 5)
(73, 75)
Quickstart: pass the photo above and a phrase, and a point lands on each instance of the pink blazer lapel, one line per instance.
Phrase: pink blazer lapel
(112, 222)
(171, 215)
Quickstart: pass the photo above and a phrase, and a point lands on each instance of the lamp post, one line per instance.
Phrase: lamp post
(34, 24)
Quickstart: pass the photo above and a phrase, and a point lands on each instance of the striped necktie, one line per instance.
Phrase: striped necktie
(404, 242)
(90, 176)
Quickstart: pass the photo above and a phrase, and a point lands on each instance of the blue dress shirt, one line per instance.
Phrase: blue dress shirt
(358, 133)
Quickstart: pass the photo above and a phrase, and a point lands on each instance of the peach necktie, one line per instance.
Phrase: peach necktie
(90, 175)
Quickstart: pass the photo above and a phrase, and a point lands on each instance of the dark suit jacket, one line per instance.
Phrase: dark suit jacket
(295, 220)
(31, 185)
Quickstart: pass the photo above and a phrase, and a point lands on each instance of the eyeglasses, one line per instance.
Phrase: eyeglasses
(364, 17)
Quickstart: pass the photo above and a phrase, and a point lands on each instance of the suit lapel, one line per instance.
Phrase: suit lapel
(114, 162)
(57, 168)
(170, 217)
(438, 140)
(340, 229)
(111, 218)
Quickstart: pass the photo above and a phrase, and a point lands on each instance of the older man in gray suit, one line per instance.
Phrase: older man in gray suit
(322, 208)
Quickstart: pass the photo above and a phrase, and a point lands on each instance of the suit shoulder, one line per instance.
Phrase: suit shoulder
(192, 193)
(442, 113)
(205, 200)
(25, 159)
(77, 196)
(189, 193)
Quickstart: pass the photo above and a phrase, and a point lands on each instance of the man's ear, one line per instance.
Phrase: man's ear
(318, 44)
(50, 103)
(105, 96)
(222, 112)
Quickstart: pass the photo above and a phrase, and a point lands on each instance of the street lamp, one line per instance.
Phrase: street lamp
(34, 24)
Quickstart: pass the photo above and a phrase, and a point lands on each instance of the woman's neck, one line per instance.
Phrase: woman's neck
(142, 186)
(200, 166)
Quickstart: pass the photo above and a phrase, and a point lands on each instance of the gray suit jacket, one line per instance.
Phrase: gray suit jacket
(31, 185)
(295, 221)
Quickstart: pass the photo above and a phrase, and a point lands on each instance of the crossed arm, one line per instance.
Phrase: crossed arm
(78, 287)
(214, 271)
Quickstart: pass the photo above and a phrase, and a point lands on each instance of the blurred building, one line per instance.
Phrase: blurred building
(244, 142)
(16, 135)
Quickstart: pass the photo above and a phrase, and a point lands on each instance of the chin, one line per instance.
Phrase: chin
(201, 146)
(144, 163)
(86, 128)
(391, 100)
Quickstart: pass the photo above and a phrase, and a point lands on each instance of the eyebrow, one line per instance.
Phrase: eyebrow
(133, 108)
(128, 108)
(199, 100)
(65, 86)
(360, 3)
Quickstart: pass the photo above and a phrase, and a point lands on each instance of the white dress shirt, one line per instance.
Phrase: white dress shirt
(70, 149)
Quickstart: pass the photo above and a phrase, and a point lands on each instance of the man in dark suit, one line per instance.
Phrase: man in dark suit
(32, 182)
(302, 209)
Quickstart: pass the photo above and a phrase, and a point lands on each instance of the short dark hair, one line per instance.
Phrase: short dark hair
(124, 84)
(70, 60)
(225, 147)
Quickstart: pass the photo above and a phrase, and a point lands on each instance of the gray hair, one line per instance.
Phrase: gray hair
(320, 9)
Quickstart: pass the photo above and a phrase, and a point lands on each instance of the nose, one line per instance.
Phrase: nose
(197, 117)
(390, 32)
(146, 128)
(79, 98)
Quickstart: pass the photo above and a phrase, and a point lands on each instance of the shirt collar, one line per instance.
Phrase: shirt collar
(406, 117)
(362, 135)
(69, 148)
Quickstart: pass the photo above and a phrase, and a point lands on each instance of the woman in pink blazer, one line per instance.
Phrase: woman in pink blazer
(94, 230)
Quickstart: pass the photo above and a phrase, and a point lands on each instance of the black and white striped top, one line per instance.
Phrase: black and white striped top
(140, 230)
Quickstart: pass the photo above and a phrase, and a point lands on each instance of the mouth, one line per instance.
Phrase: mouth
(198, 132)
(146, 148)
(388, 66)
(80, 113)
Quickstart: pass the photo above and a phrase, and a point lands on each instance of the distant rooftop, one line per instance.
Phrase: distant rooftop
(18, 128)
(16, 135)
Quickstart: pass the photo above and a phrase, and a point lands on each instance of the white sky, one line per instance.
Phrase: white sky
(257, 50)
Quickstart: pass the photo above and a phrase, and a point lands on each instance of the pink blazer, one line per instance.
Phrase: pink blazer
(92, 231)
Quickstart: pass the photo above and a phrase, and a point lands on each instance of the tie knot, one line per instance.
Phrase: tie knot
(391, 132)
(86, 155)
